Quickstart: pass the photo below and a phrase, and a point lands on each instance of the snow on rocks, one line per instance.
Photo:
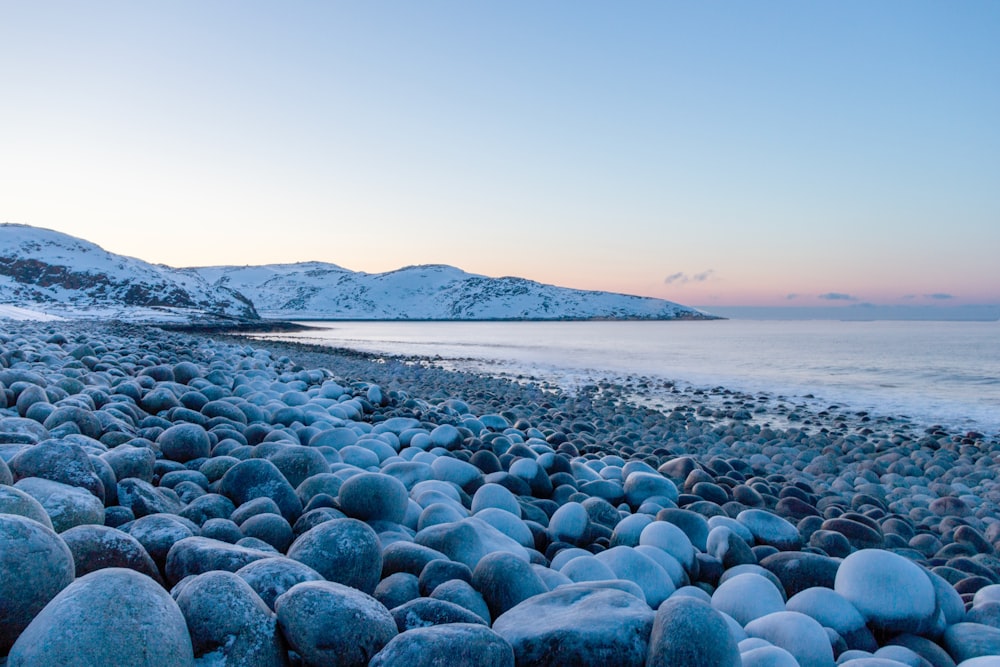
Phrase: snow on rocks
(391, 512)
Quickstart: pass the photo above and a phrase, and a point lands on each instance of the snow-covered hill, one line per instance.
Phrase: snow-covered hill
(316, 290)
(54, 274)
(46, 274)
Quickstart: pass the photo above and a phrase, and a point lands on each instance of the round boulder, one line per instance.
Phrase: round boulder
(35, 564)
(441, 645)
(345, 551)
(373, 497)
(578, 625)
(891, 592)
(687, 632)
(330, 624)
(114, 616)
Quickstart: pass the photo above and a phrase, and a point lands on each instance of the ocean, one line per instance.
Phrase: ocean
(945, 373)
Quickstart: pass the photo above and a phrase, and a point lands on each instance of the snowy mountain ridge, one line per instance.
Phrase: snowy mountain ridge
(57, 275)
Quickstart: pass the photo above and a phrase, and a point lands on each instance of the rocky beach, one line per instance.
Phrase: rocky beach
(169, 498)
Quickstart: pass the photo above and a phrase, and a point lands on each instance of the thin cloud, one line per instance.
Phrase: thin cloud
(837, 296)
(939, 296)
(792, 296)
(681, 278)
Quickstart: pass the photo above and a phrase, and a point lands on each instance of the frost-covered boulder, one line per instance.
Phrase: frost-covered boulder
(440, 645)
(504, 580)
(346, 551)
(59, 461)
(270, 577)
(578, 625)
(196, 555)
(16, 501)
(373, 496)
(35, 564)
(113, 616)
(66, 505)
(331, 624)
(469, 540)
(798, 634)
(225, 617)
(98, 547)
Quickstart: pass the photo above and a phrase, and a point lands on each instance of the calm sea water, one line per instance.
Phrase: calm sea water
(932, 372)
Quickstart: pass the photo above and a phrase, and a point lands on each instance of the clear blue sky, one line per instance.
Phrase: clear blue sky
(767, 153)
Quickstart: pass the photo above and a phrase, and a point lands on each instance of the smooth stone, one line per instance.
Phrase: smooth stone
(270, 577)
(373, 496)
(59, 461)
(640, 486)
(933, 653)
(767, 656)
(197, 555)
(143, 498)
(462, 593)
(452, 644)
(270, 528)
(396, 589)
(671, 539)
(798, 634)
(449, 469)
(587, 568)
(184, 442)
(227, 620)
(159, 532)
(509, 525)
(208, 506)
(628, 531)
(331, 624)
(495, 495)
(746, 597)
(408, 557)
(16, 501)
(98, 547)
(627, 563)
(91, 617)
(799, 570)
(729, 548)
(298, 463)
(578, 625)
(35, 565)
(971, 640)
(832, 610)
(570, 523)
(505, 580)
(425, 612)
(439, 571)
(67, 506)
(771, 529)
(694, 525)
(468, 541)
(688, 632)
(891, 592)
(345, 551)
(259, 478)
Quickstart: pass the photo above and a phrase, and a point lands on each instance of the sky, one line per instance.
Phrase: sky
(718, 154)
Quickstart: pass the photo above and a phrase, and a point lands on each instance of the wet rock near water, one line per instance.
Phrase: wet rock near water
(168, 498)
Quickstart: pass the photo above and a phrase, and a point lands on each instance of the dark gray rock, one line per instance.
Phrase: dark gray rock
(374, 497)
(59, 461)
(504, 580)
